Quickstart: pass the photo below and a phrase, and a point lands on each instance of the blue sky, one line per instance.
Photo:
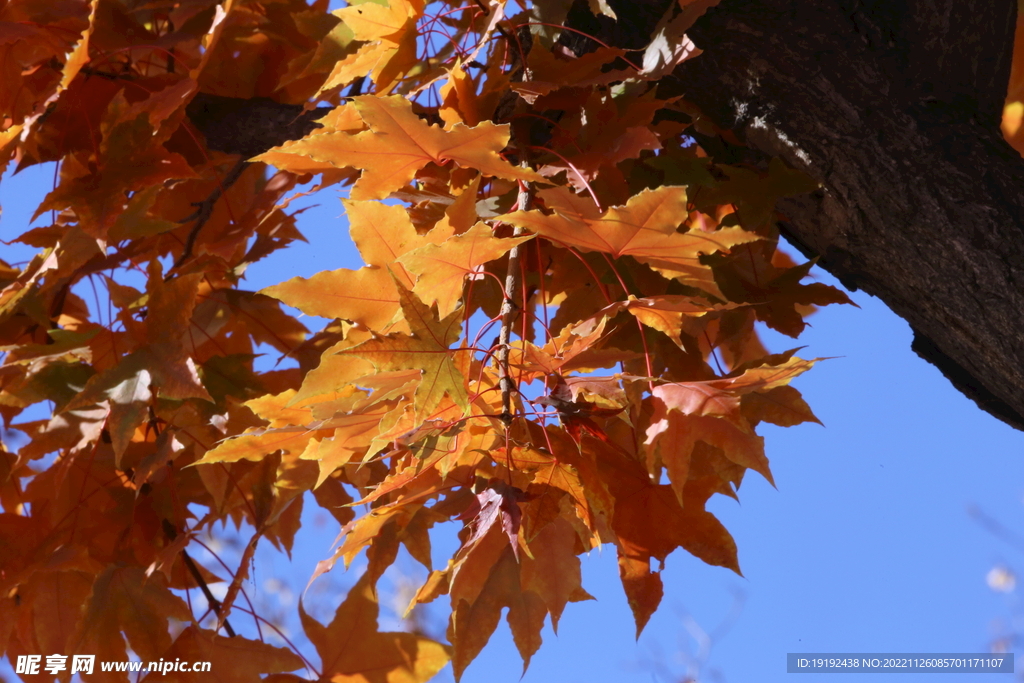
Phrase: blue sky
(866, 546)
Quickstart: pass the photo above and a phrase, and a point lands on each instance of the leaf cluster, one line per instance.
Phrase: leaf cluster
(552, 344)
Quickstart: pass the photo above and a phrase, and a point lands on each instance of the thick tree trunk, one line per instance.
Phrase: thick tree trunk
(894, 107)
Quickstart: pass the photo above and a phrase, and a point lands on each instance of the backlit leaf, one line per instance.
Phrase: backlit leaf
(399, 143)
(352, 650)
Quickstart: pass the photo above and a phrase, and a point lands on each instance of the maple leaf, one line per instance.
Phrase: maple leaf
(233, 660)
(674, 435)
(376, 22)
(617, 128)
(577, 347)
(602, 7)
(129, 401)
(428, 349)
(551, 72)
(711, 411)
(786, 292)
(553, 570)
(366, 296)
(131, 157)
(466, 447)
(487, 575)
(497, 505)
(669, 44)
(53, 599)
(459, 101)
(645, 228)
(390, 30)
(260, 443)
(781, 406)
(720, 397)
(399, 143)
(777, 295)
(754, 192)
(353, 432)
(441, 269)
(352, 650)
(575, 413)
(667, 313)
(123, 599)
(552, 480)
(163, 363)
(638, 503)
(484, 580)
(30, 37)
(382, 233)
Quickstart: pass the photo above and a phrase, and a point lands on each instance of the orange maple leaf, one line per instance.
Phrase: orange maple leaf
(552, 481)
(123, 599)
(354, 651)
(232, 660)
(486, 575)
(649, 522)
(711, 411)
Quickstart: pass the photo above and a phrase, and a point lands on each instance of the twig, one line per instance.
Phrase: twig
(509, 305)
(193, 569)
(204, 210)
(510, 309)
(213, 602)
(240, 576)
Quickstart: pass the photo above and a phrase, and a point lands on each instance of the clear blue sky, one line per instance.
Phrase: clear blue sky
(866, 546)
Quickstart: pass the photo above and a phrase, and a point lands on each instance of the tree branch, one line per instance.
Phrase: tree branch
(204, 210)
(250, 127)
(896, 114)
(193, 569)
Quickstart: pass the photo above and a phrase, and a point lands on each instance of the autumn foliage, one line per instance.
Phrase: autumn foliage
(552, 344)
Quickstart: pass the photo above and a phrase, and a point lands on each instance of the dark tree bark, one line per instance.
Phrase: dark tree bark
(893, 106)
(250, 127)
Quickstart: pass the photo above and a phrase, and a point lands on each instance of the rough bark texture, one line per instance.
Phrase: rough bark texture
(894, 107)
(250, 127)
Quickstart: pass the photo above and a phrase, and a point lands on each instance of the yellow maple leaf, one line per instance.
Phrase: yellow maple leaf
(398, 144)
(459, 101)
(441, 269)
(645, 228)
(390, 52)
(383, 234)
(426, 348)
(370, 21)
(366, 296)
